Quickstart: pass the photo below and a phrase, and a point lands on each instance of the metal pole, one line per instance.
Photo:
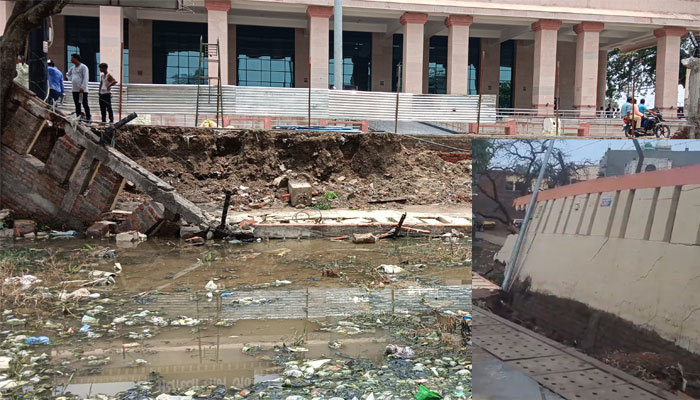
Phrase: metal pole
(556, 100)
(338, 81)
(121, 80)
(308, 128)
(398, 90)
(481, 91)
(511, 266)
(640, 153)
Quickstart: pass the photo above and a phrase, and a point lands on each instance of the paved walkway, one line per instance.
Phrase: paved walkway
(514, 363)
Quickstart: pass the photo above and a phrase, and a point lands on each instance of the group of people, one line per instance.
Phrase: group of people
(609, 112)
(638, 112)
(79, 75)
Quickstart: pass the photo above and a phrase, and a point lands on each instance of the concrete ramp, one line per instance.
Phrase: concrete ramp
(54, 170)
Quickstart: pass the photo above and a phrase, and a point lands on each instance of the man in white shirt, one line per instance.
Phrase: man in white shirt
(106, 83)
(78, 75)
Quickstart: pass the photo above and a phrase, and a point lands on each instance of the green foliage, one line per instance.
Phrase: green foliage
(323, 204)
(482, 152)
(330, 195)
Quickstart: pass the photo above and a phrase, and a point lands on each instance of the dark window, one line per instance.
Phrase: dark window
(357, 57)
(265, 56)
(505, 86)
(650, 168)
(125, 66)
(437, 65)
(176, 52)
(396, 59)
(83, 37)
(474, 64)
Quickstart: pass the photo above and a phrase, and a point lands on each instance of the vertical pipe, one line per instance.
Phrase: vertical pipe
(481, 90)
(640, 153)
(511, 266)
(121, 80)
(308, 128)
(557, 101)
(338, 45)
(398, 91)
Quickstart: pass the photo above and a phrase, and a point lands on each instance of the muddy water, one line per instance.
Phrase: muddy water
(183, 358)
(168, 279)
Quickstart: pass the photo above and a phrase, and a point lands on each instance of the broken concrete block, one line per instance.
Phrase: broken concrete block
(100, 229)
(299, 193)
(131, 236)
(363, 238)
(146, 217)
(187, 232)
(281, 181)
(24, 227)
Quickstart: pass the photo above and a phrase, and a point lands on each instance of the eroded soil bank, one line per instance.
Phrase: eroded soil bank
(360, 169)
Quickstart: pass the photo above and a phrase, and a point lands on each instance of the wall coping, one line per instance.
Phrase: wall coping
(218, 5)
(459, 20)
(670, 177)
(319, 12)
(546, 25)
(413, 18)
(589, 27)
(670, 31)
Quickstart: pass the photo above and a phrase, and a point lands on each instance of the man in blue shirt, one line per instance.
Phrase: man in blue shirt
(55, 83)
(642, 106)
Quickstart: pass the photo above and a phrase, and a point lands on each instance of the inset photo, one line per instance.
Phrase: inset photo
(586, 281)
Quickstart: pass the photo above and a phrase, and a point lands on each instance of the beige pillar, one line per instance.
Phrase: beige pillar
(492, 65)
(382, 50)
(458, 53)
(111, 38)
(587, 50)
(217, 30)
(318, 17)
(413, 52)
(544, 65)
(5, 12)
(57, 51)
(667, 67)
(141, 51)
(602, 78)
(301, 58)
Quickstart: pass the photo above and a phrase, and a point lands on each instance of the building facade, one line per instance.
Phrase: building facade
(417, 46)
(656, 157)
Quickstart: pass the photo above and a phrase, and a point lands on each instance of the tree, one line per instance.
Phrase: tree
(26, 16)
(522, 158)
(640, 65)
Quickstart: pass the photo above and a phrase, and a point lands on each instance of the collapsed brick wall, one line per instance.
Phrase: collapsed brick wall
(80, 180)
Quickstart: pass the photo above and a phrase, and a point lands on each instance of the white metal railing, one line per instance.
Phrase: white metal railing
(294, 102)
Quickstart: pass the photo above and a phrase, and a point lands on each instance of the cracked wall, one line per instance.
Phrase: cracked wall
(632, 252)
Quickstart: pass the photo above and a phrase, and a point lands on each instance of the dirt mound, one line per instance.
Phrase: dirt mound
(359, 168)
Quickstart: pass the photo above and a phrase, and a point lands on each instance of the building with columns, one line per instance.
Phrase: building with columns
(418, 46)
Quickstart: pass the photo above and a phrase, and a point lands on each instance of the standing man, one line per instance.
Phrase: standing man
(106, 83)
(79, 74)
(22, 70)
(55, 83)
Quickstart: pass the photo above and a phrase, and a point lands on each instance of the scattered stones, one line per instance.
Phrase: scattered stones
(364, 238)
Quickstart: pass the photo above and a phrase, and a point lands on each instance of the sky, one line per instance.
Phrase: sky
(592, 150)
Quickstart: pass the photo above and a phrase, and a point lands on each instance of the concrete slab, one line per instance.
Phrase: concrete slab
(496, 380)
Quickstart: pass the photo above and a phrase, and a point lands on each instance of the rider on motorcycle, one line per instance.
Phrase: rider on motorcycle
(631, 110)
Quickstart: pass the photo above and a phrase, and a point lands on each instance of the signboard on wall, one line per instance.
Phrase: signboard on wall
(606, 201)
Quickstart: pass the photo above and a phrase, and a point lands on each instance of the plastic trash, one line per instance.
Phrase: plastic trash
(400, 352)
(211, 286)
(425, 394)
(89, 320)
(85, 328)
(38, 340)
(63, 233)
(391, 269)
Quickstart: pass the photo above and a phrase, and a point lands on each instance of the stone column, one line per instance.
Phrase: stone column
(382, 51)
(544, 65)
(692, 104)
(587, 50)
(217, 29)
(301, 58)
(413, 43)
(668, 61)
(111, 38)
(458, 53)
(492, 66)
(602, 78)
(5, 12)
(141, 51)
(318, 17)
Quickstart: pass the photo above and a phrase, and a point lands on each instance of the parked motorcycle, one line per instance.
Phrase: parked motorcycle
(656, 126)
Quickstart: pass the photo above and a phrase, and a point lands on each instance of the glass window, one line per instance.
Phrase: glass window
(125, 67)
(176, 52)
(83, 37)
(357, 56)
(396, 60)
(437, 65)
(505, 86)
(474, 64)
(265, 56)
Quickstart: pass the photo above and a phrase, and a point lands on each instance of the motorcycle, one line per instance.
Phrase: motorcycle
(655, 127)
